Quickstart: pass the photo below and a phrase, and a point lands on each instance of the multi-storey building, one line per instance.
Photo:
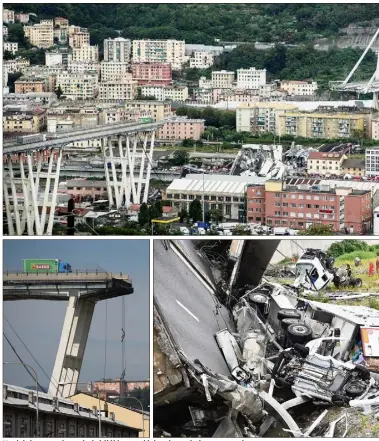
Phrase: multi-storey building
(5, 32)
(375, 128)
(23, 119)
(16, 65)
(353, 167)
(162, 93)
(118, 90)
(41, 34)
(78, 37)
(325, 163)
(372, 161)
(299, 88)
(81, 67)
(157, 74)
(299, 205)
(114, 70)
(117, 50)
(57, 57)
(61, 26)
(8, 16)
(320, 125)
(251, 78)
(260, 117)
(31, 84)
(180, 128)
(78, 86)
(22, 17)
(159, 51)
(222, 79)
(201, 60)
(10, 47)
(85, 53)
(157, 109)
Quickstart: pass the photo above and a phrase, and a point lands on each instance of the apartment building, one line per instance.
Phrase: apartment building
(372, 161)
(78, 37)
(299, 88)
(375, 129)
(5, 32)
(160, 51)
(261, 117)
(117, 50)
(16, 65)
(31, 84)
(201, 60)
(82, 67)
(222, 79)
(61, 26)
(180, 128)
(114, 70)
(298, 205)
(118, 90)
(22, 17)
(8, 16)
(10, 47)
(155, 74)
(41, 34)
(353, 167)
(85, 53)
(251, 78)
(324, 163)
(162, 93)
(23, 119)
(320, 125)
(78, 86)
(157, 109)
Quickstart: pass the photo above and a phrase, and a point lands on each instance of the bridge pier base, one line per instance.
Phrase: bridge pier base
(72, 344)
(134, 154)
(24, 210)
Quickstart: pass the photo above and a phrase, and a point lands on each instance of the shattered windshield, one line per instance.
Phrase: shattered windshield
(303, 268)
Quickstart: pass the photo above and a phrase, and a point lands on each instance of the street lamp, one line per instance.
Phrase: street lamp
(36, 380)
(143, 415)
(64, 384)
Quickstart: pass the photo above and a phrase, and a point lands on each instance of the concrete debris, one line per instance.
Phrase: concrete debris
(290, 359)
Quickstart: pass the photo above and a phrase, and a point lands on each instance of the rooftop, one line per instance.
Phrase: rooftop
(353, 163)
(325, 156)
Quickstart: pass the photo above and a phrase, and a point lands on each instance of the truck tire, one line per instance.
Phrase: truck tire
(288, 313)
(357, 283)
(355, 388)
(288, 321)
(299, 333)
(259, 299)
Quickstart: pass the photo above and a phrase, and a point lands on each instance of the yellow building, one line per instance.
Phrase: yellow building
(27, 121)
(353, 167)
(325, 163)
(41, 34)
(26, 85)
(320, 125)
(133, 418)
(157, 109)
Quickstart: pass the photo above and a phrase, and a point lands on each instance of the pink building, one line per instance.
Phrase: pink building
(180, 128)
(156, 74)
(83, 188)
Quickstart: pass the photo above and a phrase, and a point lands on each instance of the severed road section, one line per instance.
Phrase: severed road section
(189, 309)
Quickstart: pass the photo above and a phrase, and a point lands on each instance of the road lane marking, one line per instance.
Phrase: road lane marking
(187, 310)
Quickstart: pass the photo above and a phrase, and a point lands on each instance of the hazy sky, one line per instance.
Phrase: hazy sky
(39, 322)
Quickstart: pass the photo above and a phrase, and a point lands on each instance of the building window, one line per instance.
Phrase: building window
(228, 210)
(277, 195)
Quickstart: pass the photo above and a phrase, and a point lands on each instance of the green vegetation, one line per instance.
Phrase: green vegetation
(350, 247)
(203, 23)
(195, 210)
(213, 117)
(318, 230)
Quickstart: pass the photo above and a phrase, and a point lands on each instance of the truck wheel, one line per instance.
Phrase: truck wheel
(288, 321)
(259, 299)
(288, 313)
(355, 388)
(357, 283)
(299, 333)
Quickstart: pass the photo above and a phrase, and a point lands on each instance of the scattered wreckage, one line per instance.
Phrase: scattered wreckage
(283, 353)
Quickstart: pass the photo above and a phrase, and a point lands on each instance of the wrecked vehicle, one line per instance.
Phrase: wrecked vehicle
(235, 356)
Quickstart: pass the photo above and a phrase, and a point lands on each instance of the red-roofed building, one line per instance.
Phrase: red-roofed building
(324, 163)
(169, 211)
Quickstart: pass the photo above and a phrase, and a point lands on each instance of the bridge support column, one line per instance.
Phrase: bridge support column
(25, 210)
(72, 344)
(134, 156)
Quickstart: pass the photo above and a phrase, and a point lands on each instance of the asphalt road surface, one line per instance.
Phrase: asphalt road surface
(188, 309)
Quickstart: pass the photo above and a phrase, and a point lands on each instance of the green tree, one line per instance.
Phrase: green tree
(144, 215)
(183, 214)
(195, 210)
(154, 212)
(188, 142)
(215, 215)
(318, 230)
(8, 55)
(59, 91)
(180, 157)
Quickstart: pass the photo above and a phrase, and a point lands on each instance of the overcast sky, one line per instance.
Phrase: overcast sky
(39, 322)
